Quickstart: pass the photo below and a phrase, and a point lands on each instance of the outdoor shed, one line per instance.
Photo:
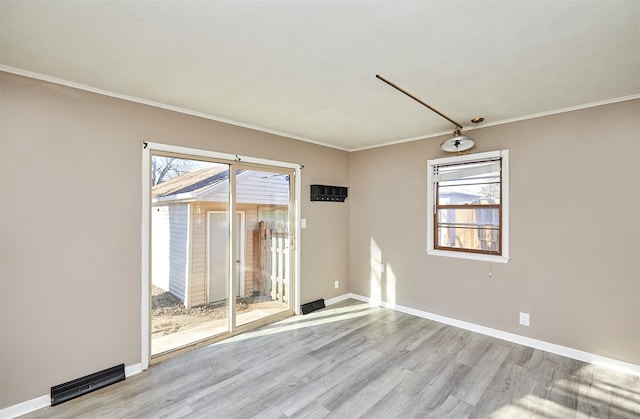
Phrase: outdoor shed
(190, 230)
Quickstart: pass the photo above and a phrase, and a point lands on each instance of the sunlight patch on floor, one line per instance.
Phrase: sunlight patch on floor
(309, 320)
(595, 387)
(531, 404)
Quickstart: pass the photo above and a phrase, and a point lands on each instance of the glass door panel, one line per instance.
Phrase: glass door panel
(264, 256)
(190, 255)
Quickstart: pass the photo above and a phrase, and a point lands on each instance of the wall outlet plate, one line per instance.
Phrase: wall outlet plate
(337, 284)
(524, 319)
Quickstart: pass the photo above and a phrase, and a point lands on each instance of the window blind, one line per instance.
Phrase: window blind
(462, 171)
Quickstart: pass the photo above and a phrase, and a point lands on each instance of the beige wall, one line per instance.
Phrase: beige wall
(575, 248)
(70, 217)
(70, 203)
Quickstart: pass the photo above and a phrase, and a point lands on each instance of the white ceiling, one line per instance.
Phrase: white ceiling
(307, 69)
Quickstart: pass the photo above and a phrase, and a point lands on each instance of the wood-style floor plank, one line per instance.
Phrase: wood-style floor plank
(353, 360)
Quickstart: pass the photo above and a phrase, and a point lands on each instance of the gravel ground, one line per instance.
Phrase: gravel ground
(163, 303)
(169, 315)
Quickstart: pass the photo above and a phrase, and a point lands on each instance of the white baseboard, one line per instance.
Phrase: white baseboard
(134, 369)
(339, 298)
(599, 360)
(44, 401)
(25, 407)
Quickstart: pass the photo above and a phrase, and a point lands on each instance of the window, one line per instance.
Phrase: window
(468, 206)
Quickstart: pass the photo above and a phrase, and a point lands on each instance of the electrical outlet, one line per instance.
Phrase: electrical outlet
(303, 223)
(337, 284)
(524, 319)
(381, 267)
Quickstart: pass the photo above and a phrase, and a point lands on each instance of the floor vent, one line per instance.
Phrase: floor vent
(75, 388)
(312, 306)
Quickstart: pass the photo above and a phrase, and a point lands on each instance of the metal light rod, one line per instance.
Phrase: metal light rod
(419, 101)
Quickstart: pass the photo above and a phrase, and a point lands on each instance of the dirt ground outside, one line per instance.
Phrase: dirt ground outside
(173, 324)
(169, 315)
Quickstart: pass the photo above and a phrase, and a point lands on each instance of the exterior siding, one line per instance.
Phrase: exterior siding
(170, 245)
(160, 255)
(262, 188)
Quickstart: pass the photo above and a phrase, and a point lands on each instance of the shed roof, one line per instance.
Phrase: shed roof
(191, 181)
(212, 185)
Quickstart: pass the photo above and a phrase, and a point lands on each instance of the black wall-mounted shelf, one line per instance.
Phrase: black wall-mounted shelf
(328, 193)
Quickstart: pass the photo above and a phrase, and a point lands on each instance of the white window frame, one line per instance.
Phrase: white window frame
(502, 154)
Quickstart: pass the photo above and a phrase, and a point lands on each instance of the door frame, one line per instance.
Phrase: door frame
(148, 148)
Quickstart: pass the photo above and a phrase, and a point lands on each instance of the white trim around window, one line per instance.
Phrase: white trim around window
(431, 180)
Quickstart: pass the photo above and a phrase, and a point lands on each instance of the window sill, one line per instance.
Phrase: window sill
(472, 256)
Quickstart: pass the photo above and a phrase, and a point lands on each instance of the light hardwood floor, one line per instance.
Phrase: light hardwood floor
(353, 360)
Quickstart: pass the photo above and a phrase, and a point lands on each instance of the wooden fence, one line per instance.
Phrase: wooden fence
(272, 262)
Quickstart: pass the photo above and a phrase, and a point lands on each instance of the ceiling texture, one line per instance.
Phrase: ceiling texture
(306, 69)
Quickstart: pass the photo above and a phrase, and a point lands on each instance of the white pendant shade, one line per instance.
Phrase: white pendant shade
(457, 143)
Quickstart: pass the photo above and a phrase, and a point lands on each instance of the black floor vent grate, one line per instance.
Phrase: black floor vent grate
(75, 388)
(312, 306)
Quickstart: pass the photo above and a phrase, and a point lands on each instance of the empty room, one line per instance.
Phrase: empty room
(310, 209)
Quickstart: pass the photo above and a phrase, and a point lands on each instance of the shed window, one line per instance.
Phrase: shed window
(468, 206)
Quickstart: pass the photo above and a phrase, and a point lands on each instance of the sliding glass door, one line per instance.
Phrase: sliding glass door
(213, 273)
